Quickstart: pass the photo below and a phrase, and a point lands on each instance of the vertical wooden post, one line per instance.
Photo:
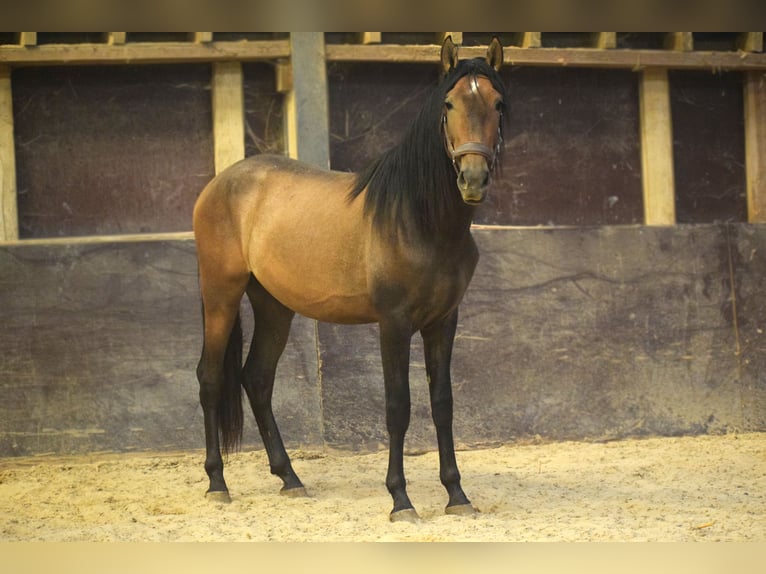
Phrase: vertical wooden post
(228, 114)
(115, 38)
(605, 40)
(679, 41)
(457, 37)
(370, 37)
(201, 37)
(531, 39)
(9, 218)
(27, 38)
(750, 42)
(755, 145)
(306, 112)
(657, 148)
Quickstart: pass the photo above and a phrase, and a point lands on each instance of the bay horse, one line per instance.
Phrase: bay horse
(390, 245)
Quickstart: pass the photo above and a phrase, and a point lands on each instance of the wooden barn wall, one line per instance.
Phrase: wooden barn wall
(594, 333)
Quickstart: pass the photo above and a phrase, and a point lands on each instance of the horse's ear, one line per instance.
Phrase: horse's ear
(495, 54)
(449, 55)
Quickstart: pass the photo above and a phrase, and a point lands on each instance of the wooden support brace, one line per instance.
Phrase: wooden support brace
(755, 145)
(9, 219)
(657, 148)
(307, 131)
(228, 114)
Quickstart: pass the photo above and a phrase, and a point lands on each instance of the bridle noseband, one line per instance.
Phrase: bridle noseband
(473, 147)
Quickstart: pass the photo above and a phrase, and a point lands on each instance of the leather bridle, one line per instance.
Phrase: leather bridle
(473, 147)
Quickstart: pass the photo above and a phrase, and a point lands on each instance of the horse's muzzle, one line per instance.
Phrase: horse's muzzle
(473, 183)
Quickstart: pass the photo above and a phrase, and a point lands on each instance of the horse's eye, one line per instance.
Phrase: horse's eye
(499, 105)
(448, 105)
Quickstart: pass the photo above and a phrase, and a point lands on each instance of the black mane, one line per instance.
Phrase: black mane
(416, 175)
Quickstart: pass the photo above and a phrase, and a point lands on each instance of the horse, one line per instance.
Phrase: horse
(390, 245)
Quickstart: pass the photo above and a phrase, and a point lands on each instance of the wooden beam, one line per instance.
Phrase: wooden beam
(306, 122)
(270, 50)
(657, 148)
(571, 57)
(755, 145)
(228, 114)
(9, 219)
(146, 53)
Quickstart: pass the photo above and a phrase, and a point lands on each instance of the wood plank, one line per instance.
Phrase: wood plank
(657, 148)
(626, 59)
(228, 114)
(9, 220)
(149, 52)
(113, 368)
(755, 145)
(306, 122)
(538, 352)
(171, 52)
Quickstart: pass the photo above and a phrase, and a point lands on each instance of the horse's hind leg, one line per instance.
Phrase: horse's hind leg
(270, 330)
(223, 278)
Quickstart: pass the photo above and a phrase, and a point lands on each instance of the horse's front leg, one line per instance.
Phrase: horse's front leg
(395, 339)
(437, 342)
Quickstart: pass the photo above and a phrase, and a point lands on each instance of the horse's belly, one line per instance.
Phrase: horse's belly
(315, 295)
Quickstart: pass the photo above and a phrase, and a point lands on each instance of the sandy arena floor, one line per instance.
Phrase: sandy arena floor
(663, 489)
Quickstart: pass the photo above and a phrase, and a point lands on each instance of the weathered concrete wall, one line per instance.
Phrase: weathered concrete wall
(564, 333)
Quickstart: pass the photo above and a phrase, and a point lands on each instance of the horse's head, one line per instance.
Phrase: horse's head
(472, 120)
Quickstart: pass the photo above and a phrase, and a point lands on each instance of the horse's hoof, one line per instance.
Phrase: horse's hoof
(218, 496)
(407, 515)
(461, 510)
(295, 492)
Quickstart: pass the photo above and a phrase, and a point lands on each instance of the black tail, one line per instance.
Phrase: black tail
(230, 407)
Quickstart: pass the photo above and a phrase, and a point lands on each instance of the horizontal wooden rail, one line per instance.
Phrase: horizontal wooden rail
(119, 238)
(170, 52)
(143, 53)
(583, 57)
